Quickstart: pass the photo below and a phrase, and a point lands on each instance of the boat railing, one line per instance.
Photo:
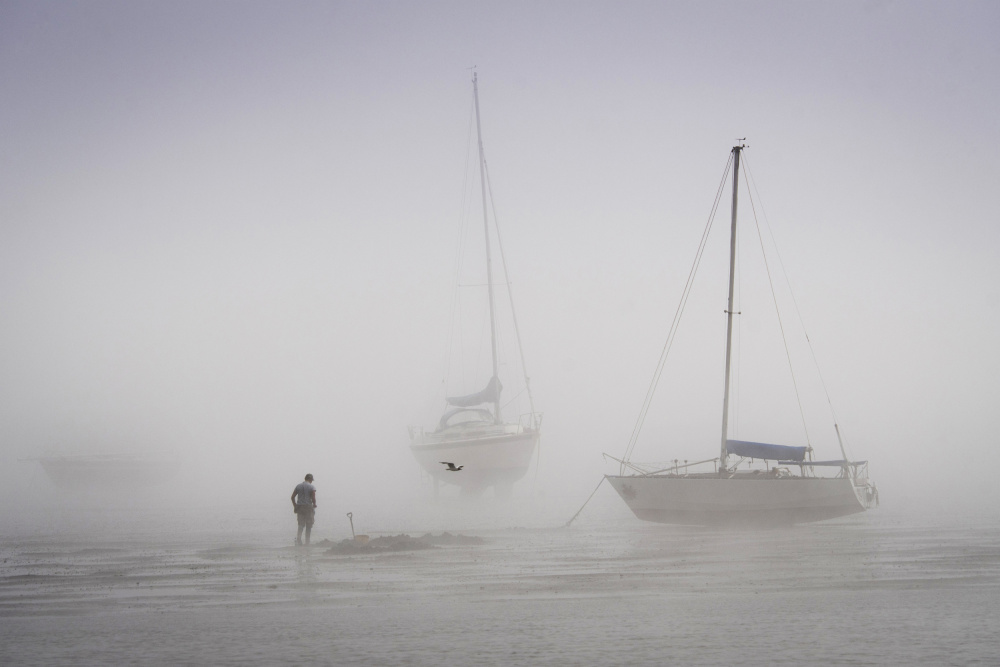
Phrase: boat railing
(530, 421)
(859, 472)
(674, 467)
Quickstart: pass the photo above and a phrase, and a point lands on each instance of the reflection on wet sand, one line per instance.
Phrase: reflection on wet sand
(841, 592)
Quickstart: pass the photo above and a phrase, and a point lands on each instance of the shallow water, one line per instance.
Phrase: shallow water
(871, 589)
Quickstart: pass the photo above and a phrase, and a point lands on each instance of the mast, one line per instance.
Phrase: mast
(489, 261)
(729, 311)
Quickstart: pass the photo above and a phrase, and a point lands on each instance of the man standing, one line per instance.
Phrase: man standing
(304, 506)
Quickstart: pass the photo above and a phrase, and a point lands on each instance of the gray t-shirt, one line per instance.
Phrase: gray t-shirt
(303, 493)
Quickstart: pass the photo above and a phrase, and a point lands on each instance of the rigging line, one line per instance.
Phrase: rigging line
(798, 314)
(484, 336)
(534, 421)
(512, 399)
(685, 294)
(676, 321)
(777, 310)
(738, 307)
(455, 298)
(510, 291)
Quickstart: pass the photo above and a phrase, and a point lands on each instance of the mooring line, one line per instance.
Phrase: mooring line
(585, 504)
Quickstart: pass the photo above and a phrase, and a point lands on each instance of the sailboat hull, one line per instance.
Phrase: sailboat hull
(486, 460)
(739, 500)
(107, 472)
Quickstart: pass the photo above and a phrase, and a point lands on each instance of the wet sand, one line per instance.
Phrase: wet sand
(874, 589)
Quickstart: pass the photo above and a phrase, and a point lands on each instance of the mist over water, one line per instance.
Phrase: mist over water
(228, 258)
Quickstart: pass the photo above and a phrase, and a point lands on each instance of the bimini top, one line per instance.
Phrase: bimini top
(761, 450)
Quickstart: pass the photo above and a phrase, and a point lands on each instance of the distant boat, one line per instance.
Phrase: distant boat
(473, 433)
(107, 471)
(729, 494)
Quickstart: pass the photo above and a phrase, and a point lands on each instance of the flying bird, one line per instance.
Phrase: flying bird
(451, 466)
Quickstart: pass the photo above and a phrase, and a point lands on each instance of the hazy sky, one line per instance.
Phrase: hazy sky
(227, 229)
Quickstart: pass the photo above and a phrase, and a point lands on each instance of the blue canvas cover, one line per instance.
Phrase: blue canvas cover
(761, 450)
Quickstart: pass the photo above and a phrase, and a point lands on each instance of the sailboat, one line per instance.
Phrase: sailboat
(749, 483)
(473, 446)
(107, 471)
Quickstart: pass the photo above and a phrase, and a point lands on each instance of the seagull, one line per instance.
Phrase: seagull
(451, 466)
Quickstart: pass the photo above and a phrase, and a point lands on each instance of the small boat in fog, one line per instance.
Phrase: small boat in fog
(107, 471)
(473, 434)
(749, 482)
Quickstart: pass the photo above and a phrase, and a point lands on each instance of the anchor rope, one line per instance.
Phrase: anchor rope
(585, 502)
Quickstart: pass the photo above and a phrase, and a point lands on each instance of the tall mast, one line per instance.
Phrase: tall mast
(729, 311)
(489, 261)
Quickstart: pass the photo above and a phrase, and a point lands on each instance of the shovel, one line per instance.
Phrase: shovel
(360, 539)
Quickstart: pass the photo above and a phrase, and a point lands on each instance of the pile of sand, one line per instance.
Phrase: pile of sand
(392, 543)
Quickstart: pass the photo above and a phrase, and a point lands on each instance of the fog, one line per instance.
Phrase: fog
(228, 238)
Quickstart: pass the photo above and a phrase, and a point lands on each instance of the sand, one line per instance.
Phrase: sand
(873, 589)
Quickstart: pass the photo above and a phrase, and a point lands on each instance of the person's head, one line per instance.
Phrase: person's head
(309, 478)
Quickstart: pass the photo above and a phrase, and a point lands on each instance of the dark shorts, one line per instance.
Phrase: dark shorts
(306, 514)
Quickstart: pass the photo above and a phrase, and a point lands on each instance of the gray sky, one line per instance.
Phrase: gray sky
(227, 229)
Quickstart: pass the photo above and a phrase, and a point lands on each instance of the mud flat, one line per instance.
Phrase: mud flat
(869, 590)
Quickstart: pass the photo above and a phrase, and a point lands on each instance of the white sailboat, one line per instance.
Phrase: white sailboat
(749, 482)
(483, 448)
